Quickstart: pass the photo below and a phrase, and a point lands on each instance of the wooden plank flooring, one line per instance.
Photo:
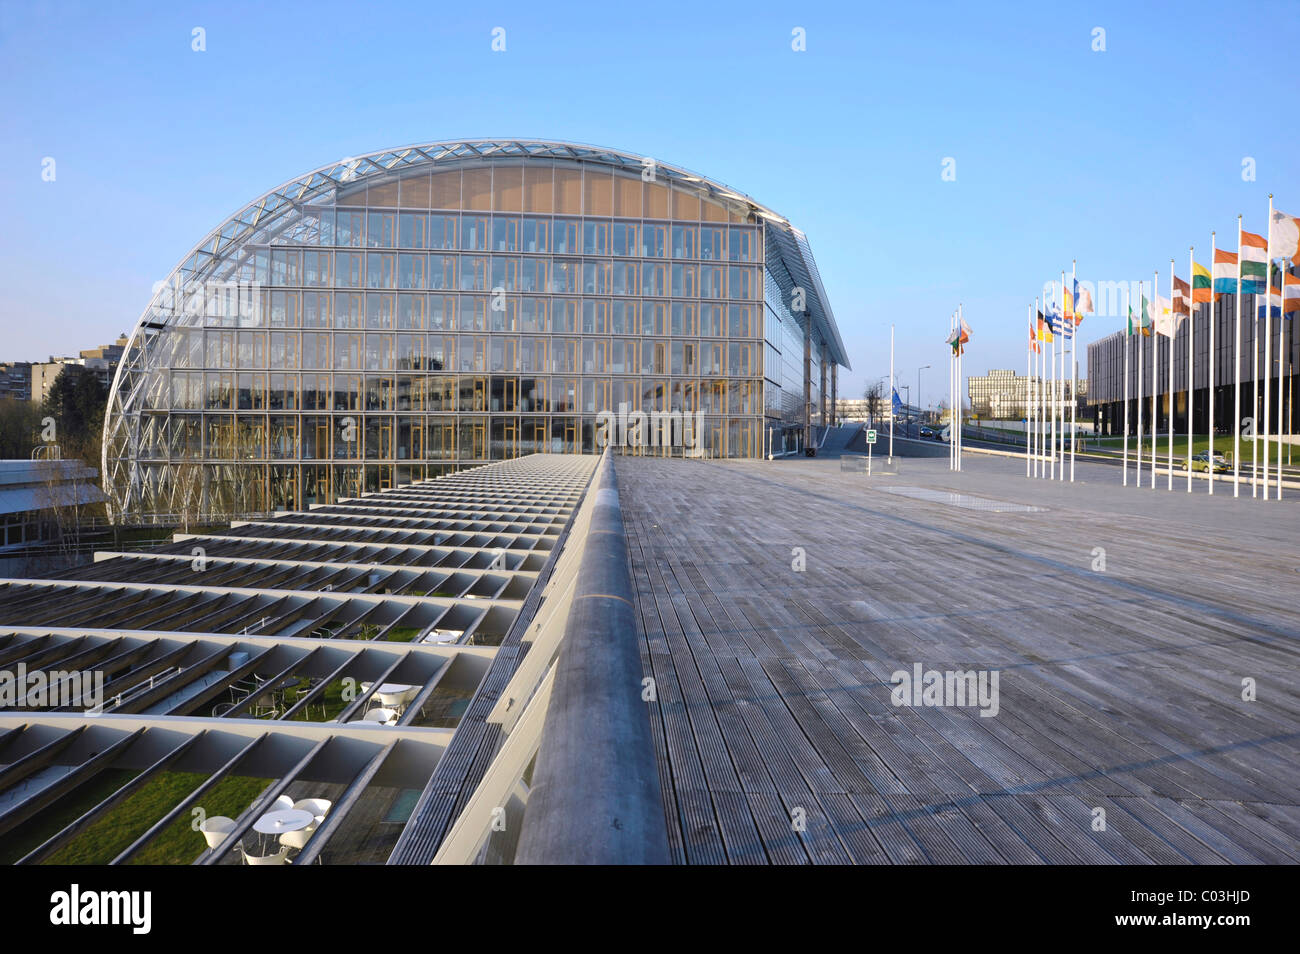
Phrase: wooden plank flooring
(775, 734)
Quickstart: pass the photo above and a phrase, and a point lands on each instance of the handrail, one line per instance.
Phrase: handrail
(594, 797)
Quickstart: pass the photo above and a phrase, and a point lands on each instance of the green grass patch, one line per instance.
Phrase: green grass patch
(331, 700)
(179, 843)
(57, 816)
(104, 839)
(1200, 442)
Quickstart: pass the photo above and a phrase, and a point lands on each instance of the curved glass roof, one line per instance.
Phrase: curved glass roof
(258, 219)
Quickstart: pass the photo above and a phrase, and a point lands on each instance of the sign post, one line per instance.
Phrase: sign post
(871, 442)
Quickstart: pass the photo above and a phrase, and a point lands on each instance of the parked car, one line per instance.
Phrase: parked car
(926, 431)
(1201, 461)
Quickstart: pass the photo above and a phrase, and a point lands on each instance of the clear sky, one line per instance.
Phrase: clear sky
(1121, 159)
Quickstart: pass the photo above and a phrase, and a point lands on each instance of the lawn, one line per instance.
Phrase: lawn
(101, 841)
(1200, 442)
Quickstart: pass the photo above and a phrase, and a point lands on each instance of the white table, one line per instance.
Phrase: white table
(443, 636)
(287, 819)
(393, 694)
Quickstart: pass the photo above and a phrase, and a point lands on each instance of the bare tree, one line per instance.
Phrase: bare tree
(874, 395)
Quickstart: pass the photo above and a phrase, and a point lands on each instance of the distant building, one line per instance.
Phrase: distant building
(101, 361)
(1004, 395)
(16, 380)
(856, 409)
(1106, 366)
(32, 491)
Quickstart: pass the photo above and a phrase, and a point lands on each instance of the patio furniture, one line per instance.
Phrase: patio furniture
(280, 857)
(393, 695)
(319, 807)
(215, 829)
(380, 717)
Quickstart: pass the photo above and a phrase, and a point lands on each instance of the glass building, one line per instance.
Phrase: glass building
(411, 312)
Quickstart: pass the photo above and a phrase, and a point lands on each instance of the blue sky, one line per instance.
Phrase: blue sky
(1121, 159)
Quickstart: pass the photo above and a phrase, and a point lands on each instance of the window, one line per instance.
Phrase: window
(413, 230)
(626, 238)
(381, 231)
(381, 270)
(505, 234)
(442, 231)
(411, 270)
(348, 269)
(685, 241)
(712, 243)
(474, 233)
(380, 311)
(537, 235)
(595, 238)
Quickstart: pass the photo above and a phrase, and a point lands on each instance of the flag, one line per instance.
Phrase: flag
(1143, 322)
(957, 340)
(1290, 294)
(896, 406)
(1082, 302)
(1254, 249)
(1284, 237)
(1182, 304)
(1044, 328)
(1225, 273)
(1033, 335)
(1202, 284)
(1274, 302)
(1162, 316)
(1055, 323)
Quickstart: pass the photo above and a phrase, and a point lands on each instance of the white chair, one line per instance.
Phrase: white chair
(282, 804)
(216, 828)
(297, 840)
(281, 857)
(381, 716)
(317, 806)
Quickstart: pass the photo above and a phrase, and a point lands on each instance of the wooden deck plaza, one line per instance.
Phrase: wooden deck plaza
(1120, 689)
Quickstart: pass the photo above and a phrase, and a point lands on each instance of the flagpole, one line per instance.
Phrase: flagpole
(1029, 371)
(1283, 391)
(952, 373)
(1268, 334)
(1210, 389)
(1191, 357)
(1254, 407)
(1040, 396)
(1155, 372)
(1128, 333)
(1074, 365)
(1236, 391)
(1173, 330)
(1051, 457)
(960, 415)
(892, 413)
(1033, 386)
(1140, 348)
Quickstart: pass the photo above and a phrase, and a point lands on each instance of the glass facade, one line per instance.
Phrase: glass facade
(401, 324)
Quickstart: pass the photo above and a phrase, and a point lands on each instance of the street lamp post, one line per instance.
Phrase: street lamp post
(918, 384)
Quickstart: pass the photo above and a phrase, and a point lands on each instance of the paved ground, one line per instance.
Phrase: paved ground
(1119, 689)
